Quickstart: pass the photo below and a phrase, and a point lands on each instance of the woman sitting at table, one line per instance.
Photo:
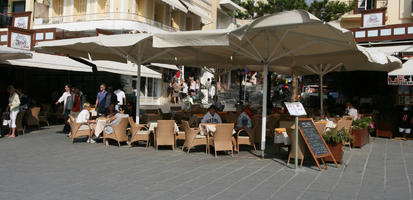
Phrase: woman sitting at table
(243, 123)
(84, 117)
(116, 119)
(211, 117)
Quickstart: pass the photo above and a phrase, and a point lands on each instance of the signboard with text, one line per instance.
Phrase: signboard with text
(400, 80)
(295, 108)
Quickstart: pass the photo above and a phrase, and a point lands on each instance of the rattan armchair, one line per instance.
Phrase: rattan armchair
(119, 132)
(74, 129)
(33, 117)
(165, 134)
(192, 138)
(222, 140)
(137, 134)
(246, 140)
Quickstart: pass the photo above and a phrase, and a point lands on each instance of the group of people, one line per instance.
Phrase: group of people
(243, 122)
(108, 102)
(190, 90)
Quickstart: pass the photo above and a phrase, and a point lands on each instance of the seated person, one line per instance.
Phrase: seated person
(116, 119)
(243, 123)
(84, 117)
(211, 116)
(351, 111)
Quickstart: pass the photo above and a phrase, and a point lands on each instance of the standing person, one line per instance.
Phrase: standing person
(14, 105)
(24, 100)
(78, 100)
(184, 91)
(405, 126)
(111, 98)
(101, 99)
(64, 98)
(120, 95)
(197, 86)
(192, 84)
(176, 90)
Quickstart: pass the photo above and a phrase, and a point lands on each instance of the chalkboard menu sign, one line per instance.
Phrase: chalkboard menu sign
(314, 141)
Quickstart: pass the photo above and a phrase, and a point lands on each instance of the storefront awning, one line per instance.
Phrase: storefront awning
(125, 69)
(391, 50)
(47, 61)
(231, 5)
(166, 66)
(10, 53)
(176, 4)
(403, 76)
(205, 18)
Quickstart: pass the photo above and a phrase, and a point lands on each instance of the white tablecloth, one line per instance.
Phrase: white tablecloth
(100, 125)
(282, 138)
(153, 125)
(209, 128)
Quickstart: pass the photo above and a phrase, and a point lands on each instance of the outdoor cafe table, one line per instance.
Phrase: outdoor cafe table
(100, 125)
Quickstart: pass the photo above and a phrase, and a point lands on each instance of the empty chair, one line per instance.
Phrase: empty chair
(119, 132)
(19, 122)
(164, 133)
(33, 117)
(75, 130)
(139, 132)
(192, 137)
(222, 140)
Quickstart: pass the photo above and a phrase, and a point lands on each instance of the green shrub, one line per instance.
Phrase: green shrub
(362, 123)
(336, 137)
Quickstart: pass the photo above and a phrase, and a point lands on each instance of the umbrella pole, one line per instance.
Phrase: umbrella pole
(138, 91)
(321, 96)
(264, 110)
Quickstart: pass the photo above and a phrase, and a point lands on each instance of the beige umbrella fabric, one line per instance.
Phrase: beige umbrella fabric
(7, 53)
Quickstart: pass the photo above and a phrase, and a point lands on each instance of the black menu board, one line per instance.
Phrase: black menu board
(313, 139)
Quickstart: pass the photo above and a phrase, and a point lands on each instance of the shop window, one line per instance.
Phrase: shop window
(366, 5)
(19, 6)
(3, 6)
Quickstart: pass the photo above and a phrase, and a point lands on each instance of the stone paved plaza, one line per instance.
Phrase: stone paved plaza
(44, 165)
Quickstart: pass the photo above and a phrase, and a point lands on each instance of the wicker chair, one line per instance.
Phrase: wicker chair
(321, 126)
(222, 140)
(119, 132)
(164, 134)
(192, 138)
(33, 117)
(137, 134)
(19, 122)
(74, 129)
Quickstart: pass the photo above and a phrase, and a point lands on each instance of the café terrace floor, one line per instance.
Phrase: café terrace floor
(44, 165)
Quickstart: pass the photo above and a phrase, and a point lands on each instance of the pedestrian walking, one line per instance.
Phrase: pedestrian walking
(120, 95)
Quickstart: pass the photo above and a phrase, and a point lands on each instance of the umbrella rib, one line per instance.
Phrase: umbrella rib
(292, 51)
(310, 69)
(253, 47)
(241, 53)
(334, 68)
(279, 43)
(244, 50)
(157, 55)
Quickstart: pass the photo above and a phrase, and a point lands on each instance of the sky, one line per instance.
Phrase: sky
(309, 1)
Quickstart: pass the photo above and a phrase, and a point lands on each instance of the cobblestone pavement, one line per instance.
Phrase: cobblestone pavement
(44, 165)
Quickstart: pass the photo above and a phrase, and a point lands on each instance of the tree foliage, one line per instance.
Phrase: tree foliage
(326, 10)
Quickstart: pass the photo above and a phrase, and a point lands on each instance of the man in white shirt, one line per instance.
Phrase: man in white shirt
(351, 111)
(121, 98)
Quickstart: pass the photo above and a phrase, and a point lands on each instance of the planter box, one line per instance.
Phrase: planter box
(384, 129)
(360, 137)
(337, 151)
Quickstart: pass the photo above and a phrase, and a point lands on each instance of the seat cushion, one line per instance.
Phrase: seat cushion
(200, 136)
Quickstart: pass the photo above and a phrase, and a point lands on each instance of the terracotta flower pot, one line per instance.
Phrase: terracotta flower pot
(337, 151)
(360, 137)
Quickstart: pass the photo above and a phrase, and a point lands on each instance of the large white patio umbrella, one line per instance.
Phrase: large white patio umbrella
(136, 48)
(7, 53)
(291, 38)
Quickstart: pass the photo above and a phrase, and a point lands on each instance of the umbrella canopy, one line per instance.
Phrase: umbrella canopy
(7, 53)
(135, 48)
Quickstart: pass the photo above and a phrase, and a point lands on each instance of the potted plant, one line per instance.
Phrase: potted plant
(360, 131)
(334, 140)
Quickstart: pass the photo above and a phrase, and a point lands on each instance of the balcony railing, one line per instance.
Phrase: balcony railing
(389, 32)
(103, 16)
(368, 4)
